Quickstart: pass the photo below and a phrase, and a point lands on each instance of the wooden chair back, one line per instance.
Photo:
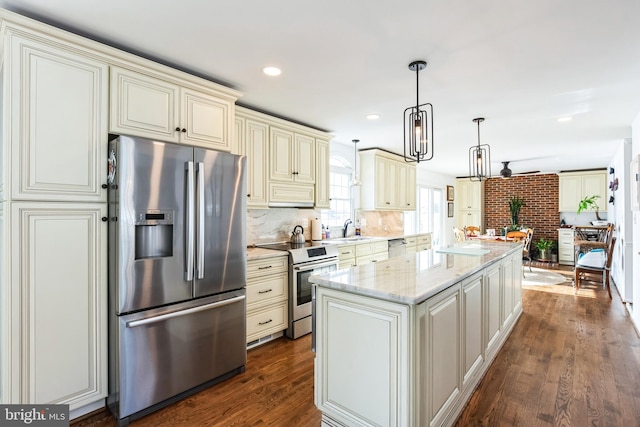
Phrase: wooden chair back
(471, 230)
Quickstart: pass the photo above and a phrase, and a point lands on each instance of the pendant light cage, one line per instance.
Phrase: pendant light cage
(418, 125)
(479, 158)
(355, 181)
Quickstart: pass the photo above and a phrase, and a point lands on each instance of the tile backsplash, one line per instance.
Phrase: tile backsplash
(381, 223)
(276, 224)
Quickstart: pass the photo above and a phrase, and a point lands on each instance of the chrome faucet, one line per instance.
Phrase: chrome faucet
(346, 226)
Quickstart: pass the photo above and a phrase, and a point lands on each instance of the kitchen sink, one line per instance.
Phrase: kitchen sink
(351, 239)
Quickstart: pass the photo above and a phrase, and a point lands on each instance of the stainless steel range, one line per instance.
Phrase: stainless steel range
(305, 260)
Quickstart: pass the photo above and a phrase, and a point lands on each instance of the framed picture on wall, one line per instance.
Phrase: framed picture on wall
(450, 210)
(450, 193)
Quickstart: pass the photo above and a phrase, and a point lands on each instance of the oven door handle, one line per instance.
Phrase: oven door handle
(307, 267)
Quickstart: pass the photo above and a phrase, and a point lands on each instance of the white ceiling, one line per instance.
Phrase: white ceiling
(521, 64)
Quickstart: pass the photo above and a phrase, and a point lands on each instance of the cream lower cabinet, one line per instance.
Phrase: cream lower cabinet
(492, 307)
(367, 253)
(144, 105)
(346, 256)
(267, 297)
(57, 299)
(566, 249)
(418, 243)
(383, 363)
(362, 253)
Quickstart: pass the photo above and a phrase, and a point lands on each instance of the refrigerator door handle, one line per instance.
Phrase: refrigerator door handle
(189, 221)
(200, 227)
(188, 311)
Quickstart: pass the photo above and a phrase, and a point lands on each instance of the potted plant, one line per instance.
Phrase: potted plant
(544, 248)
(515, 204)
(589, 202)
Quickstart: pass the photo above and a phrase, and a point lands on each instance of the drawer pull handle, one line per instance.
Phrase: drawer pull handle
(264, 292)
(265, 267)
(264, 323)
(345, 253)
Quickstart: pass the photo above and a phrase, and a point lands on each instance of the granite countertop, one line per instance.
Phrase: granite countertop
(412, 279)
(257, 253)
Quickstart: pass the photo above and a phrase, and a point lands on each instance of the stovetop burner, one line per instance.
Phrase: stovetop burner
(287, 246)
(305, 252)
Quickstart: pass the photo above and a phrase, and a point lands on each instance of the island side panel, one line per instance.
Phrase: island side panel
(362, 359)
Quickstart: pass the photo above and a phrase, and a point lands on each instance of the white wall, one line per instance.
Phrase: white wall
(635, 151)
(619, 213)
(435, 180)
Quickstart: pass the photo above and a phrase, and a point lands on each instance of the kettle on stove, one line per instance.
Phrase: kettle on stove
(297, 236)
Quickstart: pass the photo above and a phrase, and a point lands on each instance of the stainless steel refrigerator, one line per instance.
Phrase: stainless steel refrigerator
(177, 258)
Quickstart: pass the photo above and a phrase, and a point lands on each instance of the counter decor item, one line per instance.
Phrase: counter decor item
(515, 204)
(297, 236)
(316, 230)
(589, 203)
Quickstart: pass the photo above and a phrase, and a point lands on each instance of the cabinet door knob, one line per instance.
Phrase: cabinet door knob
(248, 195)
(105, 186)
(178, 129)
(105, 219)
(184, 130)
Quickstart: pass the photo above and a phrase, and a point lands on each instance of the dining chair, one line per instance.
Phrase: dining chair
(589, 266)
(458, 234)
(471, 231)
(516, 236)
(526, 253)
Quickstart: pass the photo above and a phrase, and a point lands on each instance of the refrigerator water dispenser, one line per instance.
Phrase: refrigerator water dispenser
(154, 234)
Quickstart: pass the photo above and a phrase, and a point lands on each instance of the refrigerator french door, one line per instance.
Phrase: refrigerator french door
(177, 257)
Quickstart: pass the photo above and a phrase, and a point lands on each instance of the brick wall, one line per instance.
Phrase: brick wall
(540, 211)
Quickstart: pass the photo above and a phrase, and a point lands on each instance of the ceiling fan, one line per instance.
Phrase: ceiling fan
(506, 172)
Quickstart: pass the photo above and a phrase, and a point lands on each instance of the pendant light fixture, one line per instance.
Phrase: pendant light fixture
(479, 158)
(418, 124)
(355, 182)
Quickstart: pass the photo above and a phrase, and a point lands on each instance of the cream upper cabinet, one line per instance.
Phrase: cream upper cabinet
(469, 201)
(574, 186)
(288, 163)
(55, 109)
(146, 106)
(407, 192)
(322, 174)
(292, 156)
(281, 153)
(252, 139)
(388, 183)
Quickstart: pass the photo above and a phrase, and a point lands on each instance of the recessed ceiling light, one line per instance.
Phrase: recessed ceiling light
(272, 71)
(565, 119)
(373, 116)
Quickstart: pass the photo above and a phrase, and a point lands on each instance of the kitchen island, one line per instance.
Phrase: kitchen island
(404, 342)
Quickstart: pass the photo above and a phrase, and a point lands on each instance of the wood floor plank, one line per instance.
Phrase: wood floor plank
(573, 359)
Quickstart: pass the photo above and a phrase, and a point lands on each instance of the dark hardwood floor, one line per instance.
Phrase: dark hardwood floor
(571, 360)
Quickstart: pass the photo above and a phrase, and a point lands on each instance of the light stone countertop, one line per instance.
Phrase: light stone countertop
(258, 253)
(412, 279)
